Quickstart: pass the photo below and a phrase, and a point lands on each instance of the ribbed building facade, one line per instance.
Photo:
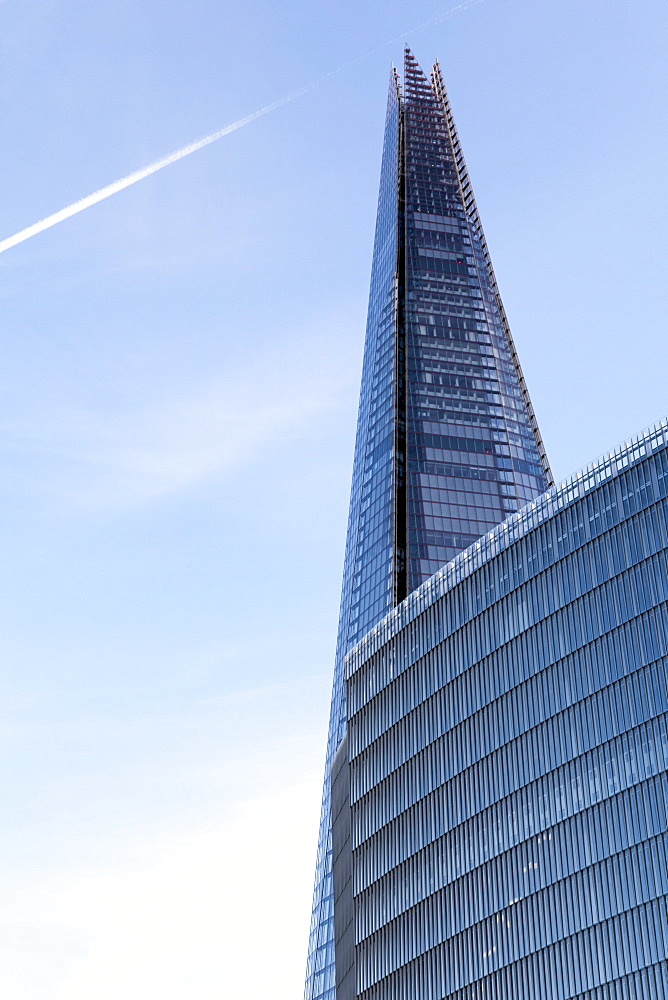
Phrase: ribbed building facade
(447, 444)
(501, 790)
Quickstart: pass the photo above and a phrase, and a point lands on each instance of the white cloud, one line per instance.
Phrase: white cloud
(208, 914)
(126, 458)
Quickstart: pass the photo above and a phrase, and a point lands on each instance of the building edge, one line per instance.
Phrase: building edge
(562, 495)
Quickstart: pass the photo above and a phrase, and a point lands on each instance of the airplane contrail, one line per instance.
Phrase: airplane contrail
(138, 175)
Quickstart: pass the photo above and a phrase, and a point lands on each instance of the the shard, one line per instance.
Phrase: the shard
(447, 443)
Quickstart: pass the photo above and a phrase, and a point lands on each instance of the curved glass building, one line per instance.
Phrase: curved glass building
(505, 759)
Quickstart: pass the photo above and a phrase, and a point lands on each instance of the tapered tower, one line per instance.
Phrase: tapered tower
(447, 443)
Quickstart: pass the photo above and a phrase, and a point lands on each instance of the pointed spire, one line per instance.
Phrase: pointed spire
(447, 444)
(396, 80)
(439, 88)
(416, 84)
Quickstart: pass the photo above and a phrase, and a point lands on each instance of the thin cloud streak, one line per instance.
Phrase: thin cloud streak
(129, 458)
(139, 175)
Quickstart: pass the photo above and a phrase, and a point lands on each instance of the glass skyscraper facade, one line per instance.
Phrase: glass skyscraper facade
(447, 444)
(503, 777)
(495, 808)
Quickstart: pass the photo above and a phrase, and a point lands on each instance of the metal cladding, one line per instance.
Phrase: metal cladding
(507, 750)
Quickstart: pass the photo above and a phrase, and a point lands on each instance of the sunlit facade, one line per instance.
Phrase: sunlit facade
(447, 444)
(503, 775)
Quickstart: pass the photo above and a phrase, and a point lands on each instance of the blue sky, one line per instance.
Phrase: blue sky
(180, 377)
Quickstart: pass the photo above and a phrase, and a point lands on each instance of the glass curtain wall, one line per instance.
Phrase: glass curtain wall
(473, 455)
(508, 749)
(446, 444)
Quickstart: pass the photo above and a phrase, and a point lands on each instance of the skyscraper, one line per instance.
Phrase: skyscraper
(447, 443)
